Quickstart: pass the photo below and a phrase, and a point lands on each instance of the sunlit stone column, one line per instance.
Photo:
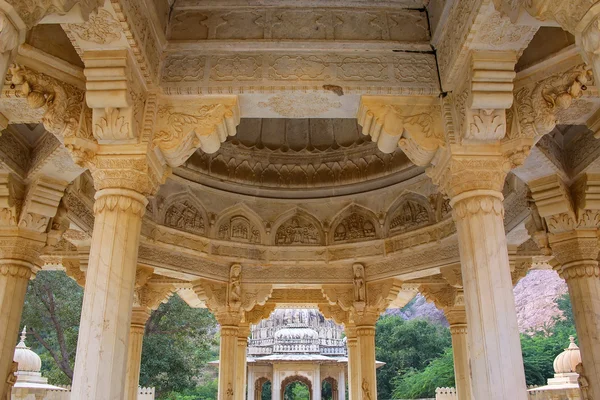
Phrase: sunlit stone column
(227, 361)
(14, 276)
(365, 335)
(101, 361)
(495, 351)
(577, 253)
(353, 363)
(241, 369)
(457, 318)
(139, 317)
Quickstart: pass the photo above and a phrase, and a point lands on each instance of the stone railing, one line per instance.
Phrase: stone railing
(532, 393)
(143, 393)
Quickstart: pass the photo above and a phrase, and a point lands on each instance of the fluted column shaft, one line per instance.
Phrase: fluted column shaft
(457, 318)
(241, 369)
(353, 364)
(496, 362)
(227, 361)
(577, 253)
(101, 361)
(139, 317)
(14, 276)
(365, 335)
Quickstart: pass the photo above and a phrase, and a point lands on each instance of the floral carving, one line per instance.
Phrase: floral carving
(186, 217)
(101, 28)
(354, 226)
(112, 125)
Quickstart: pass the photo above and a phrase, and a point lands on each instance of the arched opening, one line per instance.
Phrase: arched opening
(329, 389)
(262, 389)
(296, 388)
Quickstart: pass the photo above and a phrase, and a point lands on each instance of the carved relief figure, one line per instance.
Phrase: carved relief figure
(409, 216)
(365, 389)
(235, 286)
(294, 233)
(239, 229)
(354, 226)
(11, 379)
(186, 217)
(359, 283)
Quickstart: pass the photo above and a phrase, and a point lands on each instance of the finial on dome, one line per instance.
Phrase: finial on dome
(24, 334)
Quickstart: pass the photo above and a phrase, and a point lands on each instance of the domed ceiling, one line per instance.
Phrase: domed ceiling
(290, 158)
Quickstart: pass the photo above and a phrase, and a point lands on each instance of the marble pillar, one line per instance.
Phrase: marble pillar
(494, 346)
(317, 383)
(241, 368)
(457, 318)
(341, 384)
(365, 335)
(101, 361)
(14, 277)
(353, 364)
(139, 317)
(227, 361)
(577, 253)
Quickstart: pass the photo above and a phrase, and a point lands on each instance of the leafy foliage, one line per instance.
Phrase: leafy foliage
(296, 391)
(51, 313)
(420, 384)
(406, 346)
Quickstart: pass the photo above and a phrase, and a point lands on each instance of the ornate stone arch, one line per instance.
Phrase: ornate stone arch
(258, 386)
(297, 378)
(297, 227)
(334, 386)
(409, 212)
(240, 223)
(354, 223)
(184, 211)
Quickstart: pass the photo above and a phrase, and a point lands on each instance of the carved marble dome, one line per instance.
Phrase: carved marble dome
(296, 155)
(28, 360)
(566, 362)
(296, 331)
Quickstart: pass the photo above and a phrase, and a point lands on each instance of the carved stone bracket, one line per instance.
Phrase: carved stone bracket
(232, 301)
(413, 124)
(183, 126)
(379, 295)
(33, 12)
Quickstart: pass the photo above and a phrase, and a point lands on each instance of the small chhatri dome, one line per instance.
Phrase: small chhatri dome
(28, 361)
(566, 361)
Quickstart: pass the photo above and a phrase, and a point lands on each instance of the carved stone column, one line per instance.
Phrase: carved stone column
(14, 277)
(450, 299)
(241, 366)
(147, 297)
(139, 316)
(358, 306)
(26, 214)
(365, 337)
(233, 303)
(572, 218)
(353, 359)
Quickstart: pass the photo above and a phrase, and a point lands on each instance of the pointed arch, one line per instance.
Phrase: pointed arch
(240, 223)
(297, 227)
(410, 211)
(185, 212)
(354, 223)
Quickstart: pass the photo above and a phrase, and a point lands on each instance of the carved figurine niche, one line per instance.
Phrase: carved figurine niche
(234, 291)
(360, 288)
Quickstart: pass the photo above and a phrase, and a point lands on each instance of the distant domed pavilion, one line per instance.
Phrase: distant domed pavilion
(297, 345)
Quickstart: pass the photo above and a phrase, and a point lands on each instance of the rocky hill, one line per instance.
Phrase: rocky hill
(534, 297)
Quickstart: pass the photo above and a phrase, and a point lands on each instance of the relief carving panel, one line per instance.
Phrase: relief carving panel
(298, 231)
(239, 229)
(410, 215)
(186, 217)
(354, 227)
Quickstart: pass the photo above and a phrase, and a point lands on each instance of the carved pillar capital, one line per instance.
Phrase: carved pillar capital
(234, 302)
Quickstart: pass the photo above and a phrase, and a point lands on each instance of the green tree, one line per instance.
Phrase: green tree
(178, 343)
(406, 346)
(296, 391)
(420, 384)
(51, 313)
(266, 393)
